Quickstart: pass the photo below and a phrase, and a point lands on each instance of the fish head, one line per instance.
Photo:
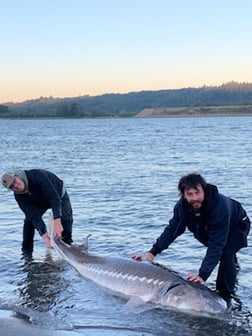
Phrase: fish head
(190, 296)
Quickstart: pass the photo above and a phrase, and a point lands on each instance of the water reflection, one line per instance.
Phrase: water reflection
(189, 325)
(41, 288)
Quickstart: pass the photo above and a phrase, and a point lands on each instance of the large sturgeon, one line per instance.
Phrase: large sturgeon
(146, 281)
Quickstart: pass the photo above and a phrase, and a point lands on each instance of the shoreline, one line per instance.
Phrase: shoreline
(197, 111)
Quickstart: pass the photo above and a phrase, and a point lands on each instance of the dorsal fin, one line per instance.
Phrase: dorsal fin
(84, 246)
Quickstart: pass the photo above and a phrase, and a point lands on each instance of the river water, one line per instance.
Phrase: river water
(121, 175)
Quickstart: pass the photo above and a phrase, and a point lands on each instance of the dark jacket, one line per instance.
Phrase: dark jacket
(221, 221)
(45, 191)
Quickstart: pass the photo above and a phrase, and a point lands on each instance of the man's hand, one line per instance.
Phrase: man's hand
(57, 228)
(195, 278)
(148, 256)
(47, 240)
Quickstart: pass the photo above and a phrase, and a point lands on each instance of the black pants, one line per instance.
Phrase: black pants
(66, 221)
(226, 277)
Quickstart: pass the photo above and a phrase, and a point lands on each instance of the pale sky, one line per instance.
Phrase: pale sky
(67, 48)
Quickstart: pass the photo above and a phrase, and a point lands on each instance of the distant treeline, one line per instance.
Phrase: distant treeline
(131, 104)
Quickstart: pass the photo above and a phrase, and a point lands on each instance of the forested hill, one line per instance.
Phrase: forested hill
(130, 104)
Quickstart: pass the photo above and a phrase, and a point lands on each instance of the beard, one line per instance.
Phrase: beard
(196, 204)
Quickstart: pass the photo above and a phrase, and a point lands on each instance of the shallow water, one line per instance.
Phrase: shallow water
(121, 175)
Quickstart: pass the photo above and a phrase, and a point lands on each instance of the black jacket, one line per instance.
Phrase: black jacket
(219, 216)
(44, 192)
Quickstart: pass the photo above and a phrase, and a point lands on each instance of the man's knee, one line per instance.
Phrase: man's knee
(28, 237)
(67, 224)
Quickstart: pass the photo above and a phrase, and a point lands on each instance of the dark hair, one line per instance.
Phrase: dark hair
(191, 181)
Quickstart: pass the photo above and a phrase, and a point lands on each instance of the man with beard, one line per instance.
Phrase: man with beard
(218, 222)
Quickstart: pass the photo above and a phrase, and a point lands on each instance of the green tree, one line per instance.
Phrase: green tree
(4, 109)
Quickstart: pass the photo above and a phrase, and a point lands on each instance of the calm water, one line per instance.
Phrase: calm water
(122, 179)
